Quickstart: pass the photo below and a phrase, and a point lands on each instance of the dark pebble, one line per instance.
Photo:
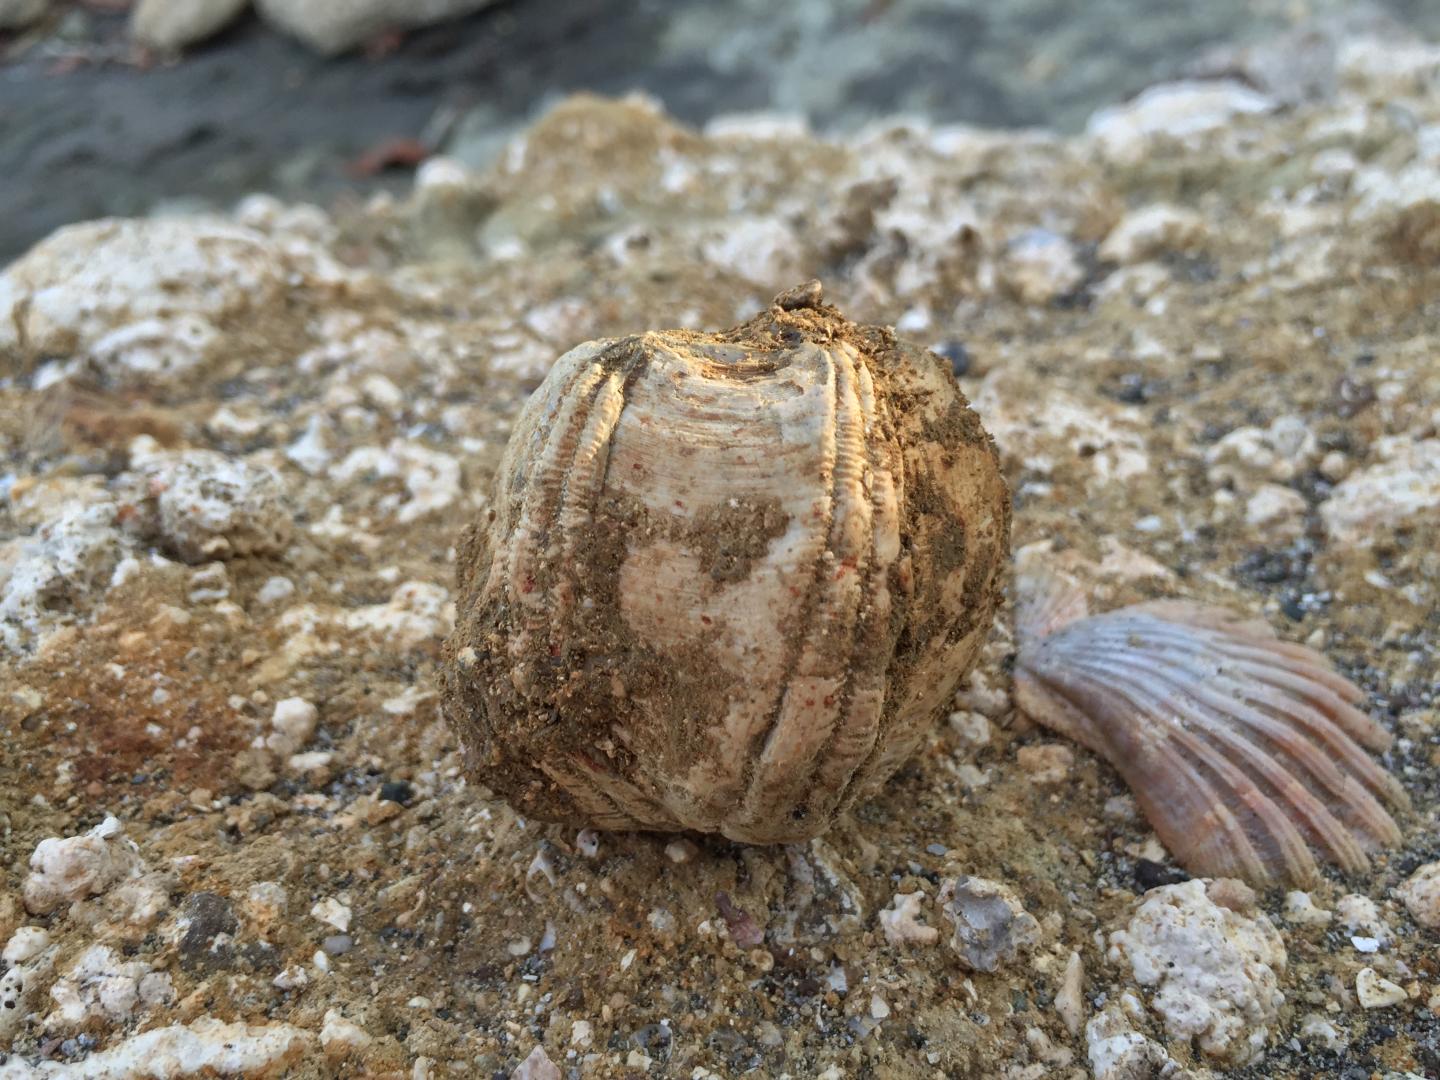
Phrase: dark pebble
(1151, 875)
(1266, 566)
(207, 914)
(727, 1040)
(397, 791)
(338, 944)
(652, 1038)
(1352, 396)
(1131, 390)
(957, 354)
(260, 956)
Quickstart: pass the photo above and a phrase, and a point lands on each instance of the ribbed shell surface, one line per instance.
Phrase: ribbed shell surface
(726, 581)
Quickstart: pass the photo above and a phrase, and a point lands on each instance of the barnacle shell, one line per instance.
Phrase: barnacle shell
(1246, 753)
(726, 580)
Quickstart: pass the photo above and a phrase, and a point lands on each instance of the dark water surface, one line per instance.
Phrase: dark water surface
(254, 111)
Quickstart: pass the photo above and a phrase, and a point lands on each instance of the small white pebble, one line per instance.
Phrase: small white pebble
(292, 978)
(1070, 999)
(309, 760)
(971, 728)
(25, 944)
(1360, 915)
(1121, 808)
(1319, 1030)
(980, 696)
(294, 717)
(587, 842)
(1300, 909)
(681, 851)
(332, 911)
(1421, 895)
(339, 1035)
(901, 921)
(125, 569)
(1277, 508)
(1334, 466)
(275, 589)
(971, 776)
(1374, 992)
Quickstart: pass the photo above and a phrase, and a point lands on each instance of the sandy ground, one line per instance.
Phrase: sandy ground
(238, 452)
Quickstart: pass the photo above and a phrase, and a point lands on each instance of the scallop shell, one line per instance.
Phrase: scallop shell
(1247, 754)
(727, 580)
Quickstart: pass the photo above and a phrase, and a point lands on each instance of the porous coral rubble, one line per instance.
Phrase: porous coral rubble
(1147, 387)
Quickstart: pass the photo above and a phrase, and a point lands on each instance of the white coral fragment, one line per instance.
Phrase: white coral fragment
(205, 1047)
(1403, 489)
(1118, 1052)
(901, 922)
(84, 281)
(98, 985)
(1375, 992)
(432, 478)
(332, 911)
(1152, 230)
(1421, 895)
(52, 572)
(210, 506)
(294, 722)
(1177, 111)
(156, 347)
(1213, 973)
(63, 870)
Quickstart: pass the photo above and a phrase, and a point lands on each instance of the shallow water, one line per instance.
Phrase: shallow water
(254, 111)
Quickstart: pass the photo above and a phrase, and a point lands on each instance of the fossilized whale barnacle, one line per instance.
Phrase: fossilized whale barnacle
(726, 580)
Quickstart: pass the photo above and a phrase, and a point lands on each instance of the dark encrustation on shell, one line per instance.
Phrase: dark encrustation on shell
(727, 581)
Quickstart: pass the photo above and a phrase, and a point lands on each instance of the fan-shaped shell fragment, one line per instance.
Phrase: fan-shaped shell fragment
(1246, 753)
(729, 579)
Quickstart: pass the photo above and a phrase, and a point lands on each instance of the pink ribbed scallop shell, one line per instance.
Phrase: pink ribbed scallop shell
(1246, 753)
